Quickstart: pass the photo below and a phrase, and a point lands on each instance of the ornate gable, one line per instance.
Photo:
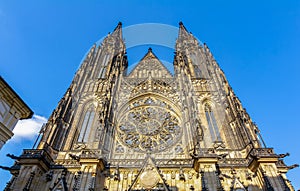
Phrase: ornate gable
(150, 65)
(148, 177)
(237, 185)
(61, 185)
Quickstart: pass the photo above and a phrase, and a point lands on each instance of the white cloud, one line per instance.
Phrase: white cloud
(28, 128)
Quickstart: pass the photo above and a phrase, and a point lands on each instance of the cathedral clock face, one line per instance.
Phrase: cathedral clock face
(149, 125)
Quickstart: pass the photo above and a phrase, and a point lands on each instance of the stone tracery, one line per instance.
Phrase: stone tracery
(149, 126)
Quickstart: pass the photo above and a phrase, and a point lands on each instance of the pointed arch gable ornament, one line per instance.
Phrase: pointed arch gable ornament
(149, 177)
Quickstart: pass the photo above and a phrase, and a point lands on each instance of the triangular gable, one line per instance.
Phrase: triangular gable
(60, 185)
(150, 65)
(148, 177)
(236, 184)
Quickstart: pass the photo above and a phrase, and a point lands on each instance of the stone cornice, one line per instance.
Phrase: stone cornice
(13, 99)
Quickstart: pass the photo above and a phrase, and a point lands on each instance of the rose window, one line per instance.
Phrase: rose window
(149, 126)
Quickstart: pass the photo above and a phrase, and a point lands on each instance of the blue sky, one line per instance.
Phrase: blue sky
(256, 43)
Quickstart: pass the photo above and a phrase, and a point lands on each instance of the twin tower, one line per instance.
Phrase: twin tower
(149, 129)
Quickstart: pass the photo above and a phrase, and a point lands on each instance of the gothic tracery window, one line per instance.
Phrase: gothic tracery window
(212, 123)
(86, 125)
(149, 125)
(195, 63)
(103, 68)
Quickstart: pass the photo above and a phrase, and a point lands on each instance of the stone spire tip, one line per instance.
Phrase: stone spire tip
(118, 31)
(119, 26)
(181, 26)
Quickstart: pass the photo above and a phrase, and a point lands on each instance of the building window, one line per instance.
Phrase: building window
(103, 68)
(198, 72)
(212, 123)
(195, 63)
(86, 125)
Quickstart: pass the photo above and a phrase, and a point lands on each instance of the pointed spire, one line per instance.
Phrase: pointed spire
(182, 30)
(118, 31)
(119, 26)
(181, 25)
(117, 38)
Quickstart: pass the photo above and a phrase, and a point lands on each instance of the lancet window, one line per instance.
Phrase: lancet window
(86, 125)
(103, 68)
(212, 123)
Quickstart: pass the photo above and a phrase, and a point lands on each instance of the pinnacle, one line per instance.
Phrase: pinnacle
(118, 30)
(181, 26)
(119, 26)
(182, 30)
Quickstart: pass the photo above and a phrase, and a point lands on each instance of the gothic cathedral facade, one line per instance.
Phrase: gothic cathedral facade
(149, 129)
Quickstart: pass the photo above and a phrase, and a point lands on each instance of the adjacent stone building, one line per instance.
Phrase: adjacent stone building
(148, 129)
(12, 109)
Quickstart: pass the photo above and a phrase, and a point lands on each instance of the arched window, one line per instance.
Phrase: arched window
(104, 64)
(196, 65)
(212, 123)
(86, 125)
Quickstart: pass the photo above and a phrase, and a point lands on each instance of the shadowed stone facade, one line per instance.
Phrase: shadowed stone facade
(12, 109)
(149, 129)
